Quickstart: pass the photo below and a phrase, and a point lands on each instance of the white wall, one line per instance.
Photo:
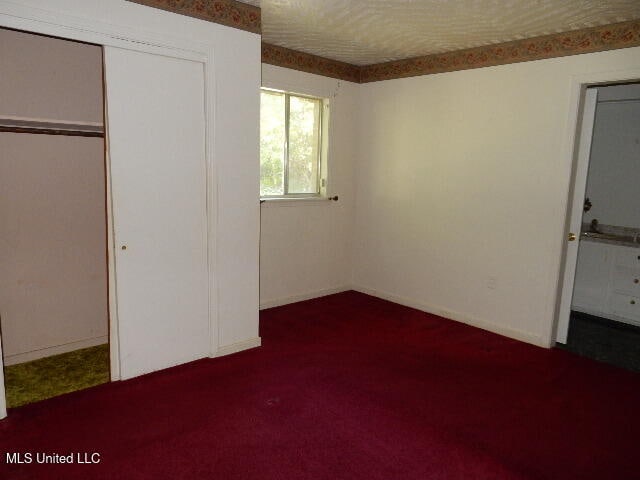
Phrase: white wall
(462, 190)
(236, 132)
(49, 78)
(305, 247)
(53, 287)
(614, 165)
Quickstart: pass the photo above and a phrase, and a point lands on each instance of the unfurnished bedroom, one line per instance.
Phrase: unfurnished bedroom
(358, 239)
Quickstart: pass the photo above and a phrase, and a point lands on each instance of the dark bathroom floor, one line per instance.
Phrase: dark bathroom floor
(607, 341)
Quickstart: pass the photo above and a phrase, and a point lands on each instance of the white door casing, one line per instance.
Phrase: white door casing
(575, 216)
(156, 132)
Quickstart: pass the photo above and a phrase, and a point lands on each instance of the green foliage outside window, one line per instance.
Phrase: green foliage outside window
(289, 161)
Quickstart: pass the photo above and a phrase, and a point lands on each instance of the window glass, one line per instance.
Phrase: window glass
(272, 143)
(304, 143)
(290, 144)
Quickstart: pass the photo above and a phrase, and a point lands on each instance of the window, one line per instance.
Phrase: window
(292, 144)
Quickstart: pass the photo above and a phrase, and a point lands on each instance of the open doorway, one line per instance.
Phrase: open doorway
(602, 318)
(54, 316)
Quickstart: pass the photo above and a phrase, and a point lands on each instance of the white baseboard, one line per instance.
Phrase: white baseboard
(238, 347)
(55, 350)
(305, 296)
(526, 337)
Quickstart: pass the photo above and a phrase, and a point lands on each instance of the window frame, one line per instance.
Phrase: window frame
(321, 162)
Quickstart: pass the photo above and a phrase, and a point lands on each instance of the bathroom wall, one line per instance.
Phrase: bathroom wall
(614, 165)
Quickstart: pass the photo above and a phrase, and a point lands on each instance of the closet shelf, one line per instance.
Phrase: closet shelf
(51, 127)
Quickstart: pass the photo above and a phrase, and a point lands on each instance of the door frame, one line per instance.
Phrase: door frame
(584, 137)
(65, 26)
(579, 85)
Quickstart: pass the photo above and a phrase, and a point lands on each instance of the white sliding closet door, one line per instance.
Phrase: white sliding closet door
(156, 142)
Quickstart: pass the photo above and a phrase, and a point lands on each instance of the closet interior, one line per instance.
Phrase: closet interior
(54, 319)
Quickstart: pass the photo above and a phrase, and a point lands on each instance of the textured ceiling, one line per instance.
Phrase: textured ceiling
(363, 32)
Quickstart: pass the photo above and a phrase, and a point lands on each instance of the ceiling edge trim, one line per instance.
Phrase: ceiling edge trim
(588, 40)
(248, 17)
(306, 62)
(225, 12)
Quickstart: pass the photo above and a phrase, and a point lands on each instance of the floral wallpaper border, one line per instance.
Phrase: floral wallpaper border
(306, 62)
(225, 12)
(247, 17)
(588, 40)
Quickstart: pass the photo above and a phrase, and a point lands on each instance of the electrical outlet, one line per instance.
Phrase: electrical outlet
(492, 283)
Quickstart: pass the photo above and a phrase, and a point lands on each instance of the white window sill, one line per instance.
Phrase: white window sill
(294, 202)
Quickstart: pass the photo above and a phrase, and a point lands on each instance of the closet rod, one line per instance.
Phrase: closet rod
(44, 126)
(51, 131)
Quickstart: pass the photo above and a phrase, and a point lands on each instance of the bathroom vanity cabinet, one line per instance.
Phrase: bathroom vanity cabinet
(608, 281)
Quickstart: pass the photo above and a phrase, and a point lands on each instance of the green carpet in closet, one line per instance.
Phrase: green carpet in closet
(52, 376)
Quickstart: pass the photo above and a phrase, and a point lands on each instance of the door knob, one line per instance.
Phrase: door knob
(572, 237)
(123, 247)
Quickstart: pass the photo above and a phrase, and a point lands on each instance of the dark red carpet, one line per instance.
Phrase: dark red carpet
(348, 387)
